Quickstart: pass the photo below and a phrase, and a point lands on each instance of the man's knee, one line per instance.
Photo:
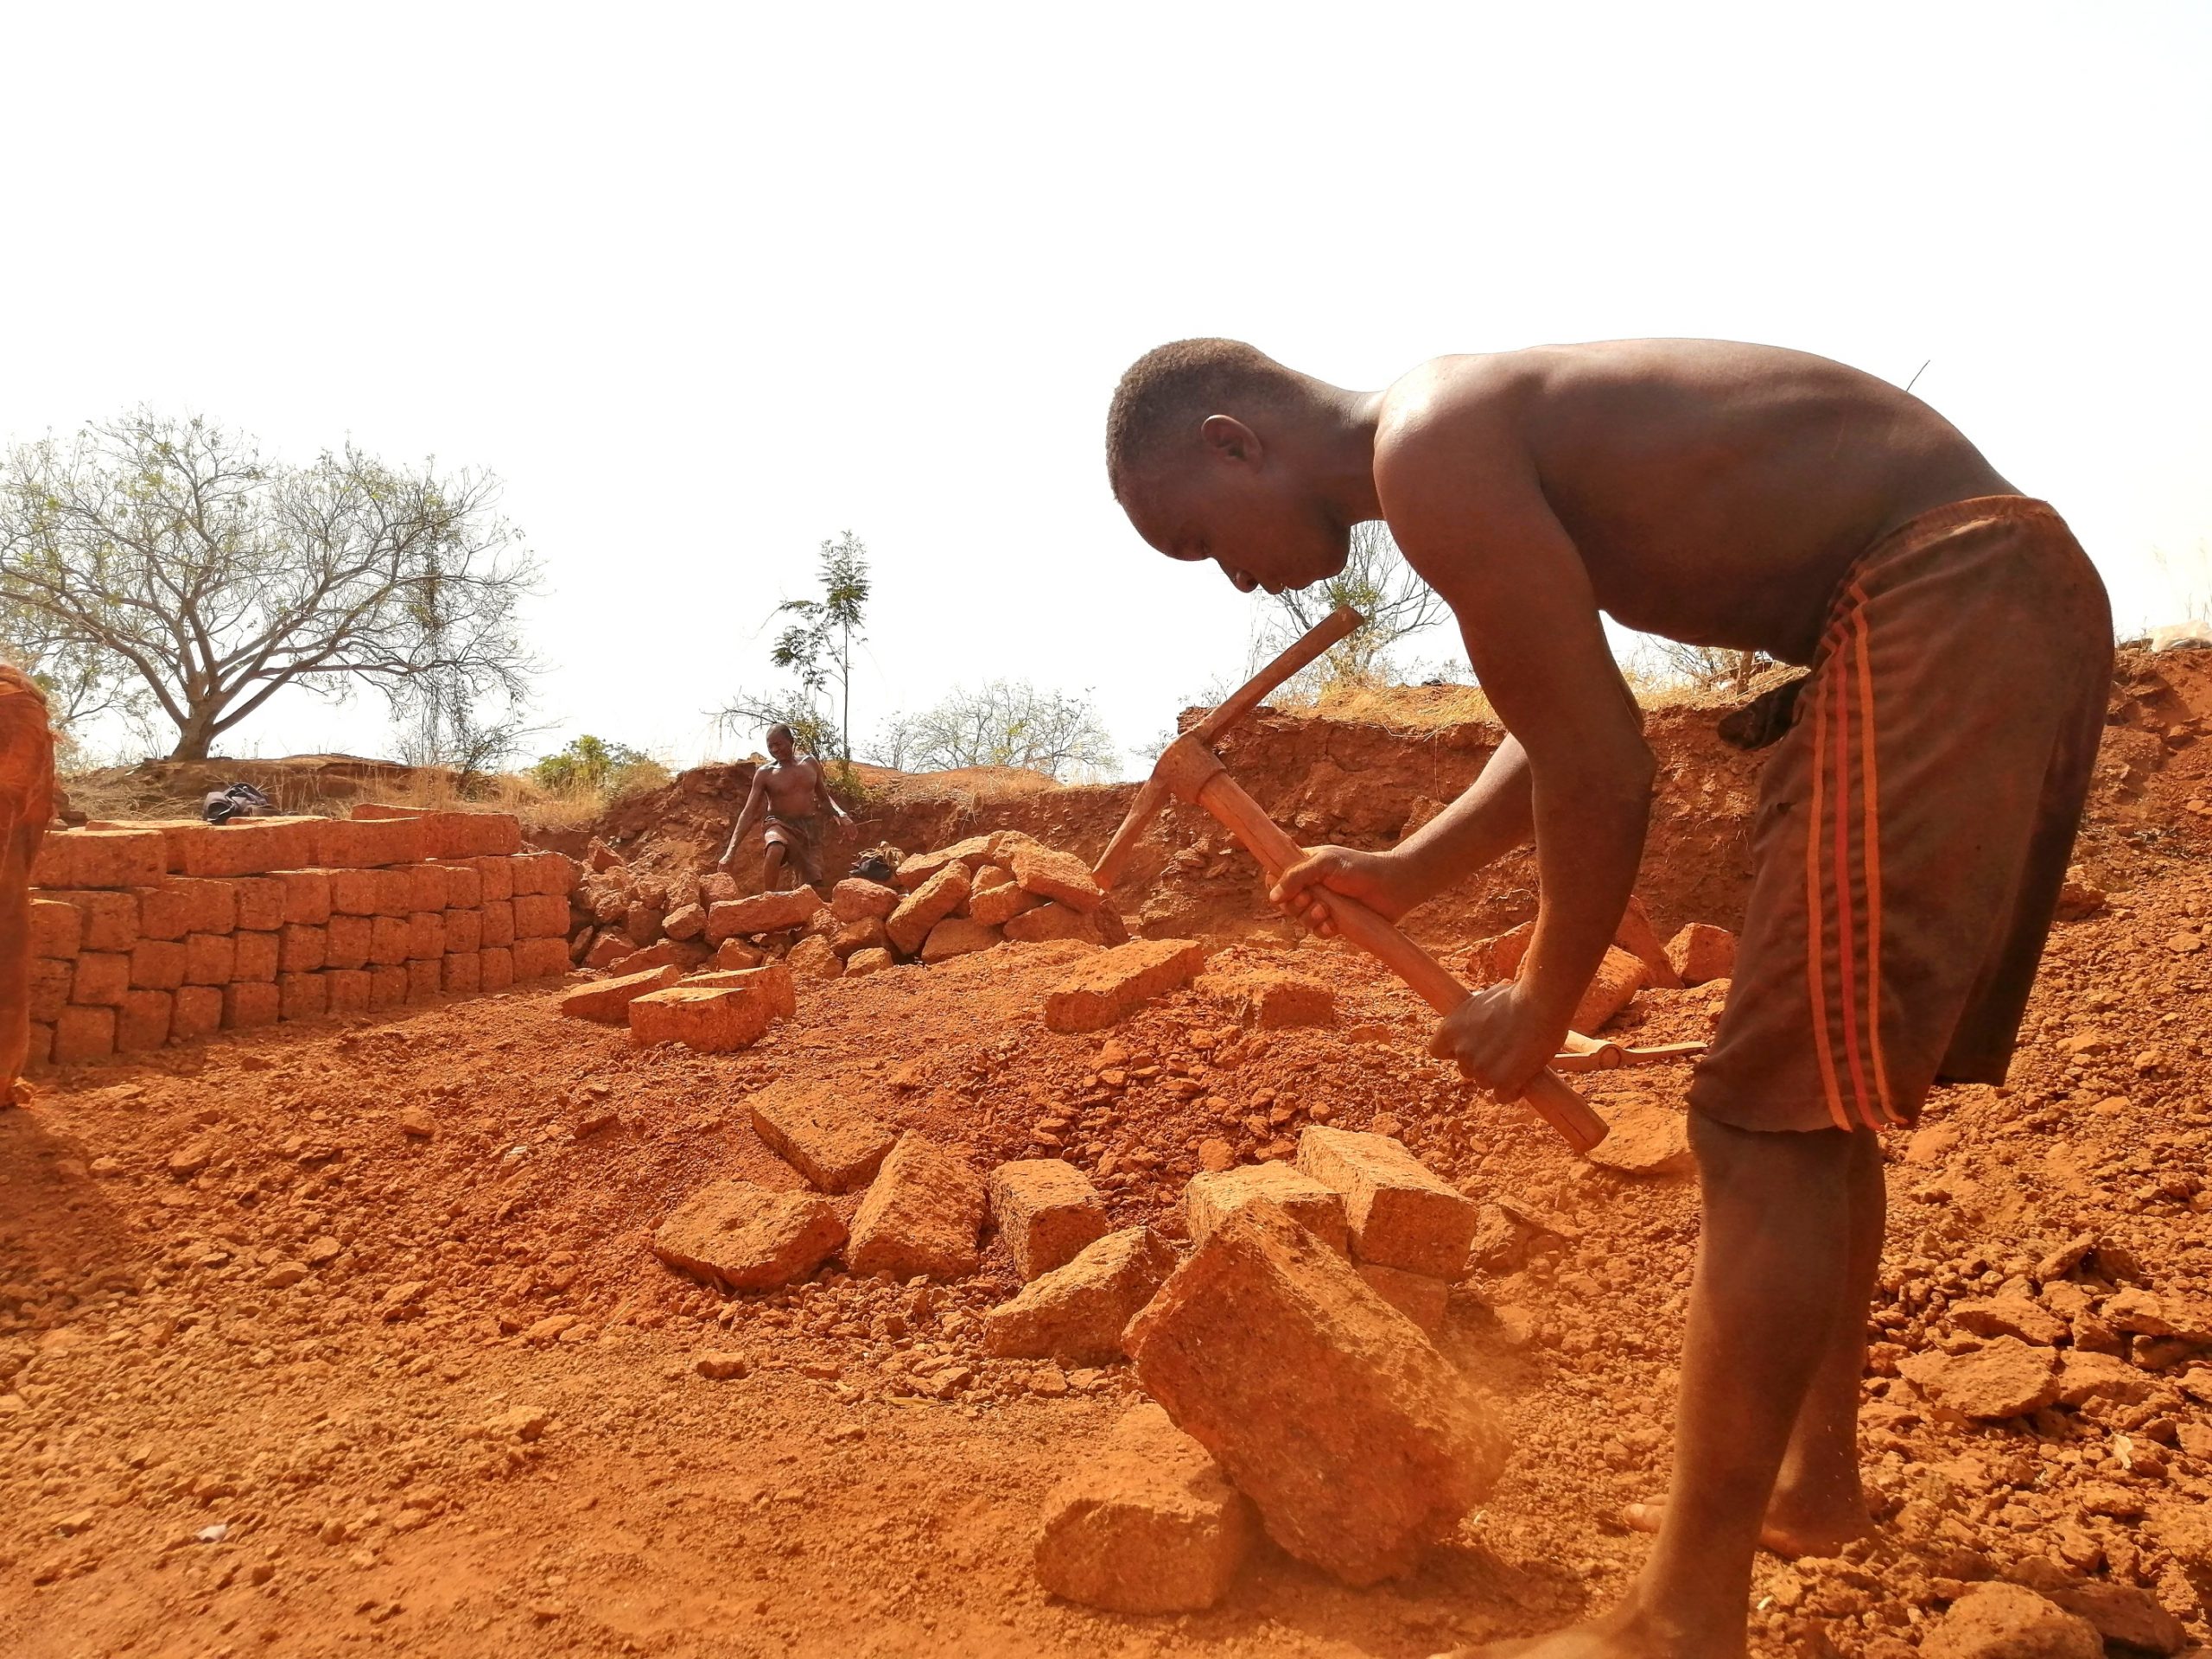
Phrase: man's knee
(1726, 1153)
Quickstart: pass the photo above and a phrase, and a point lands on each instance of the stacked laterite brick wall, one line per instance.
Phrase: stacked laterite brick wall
(147, 934)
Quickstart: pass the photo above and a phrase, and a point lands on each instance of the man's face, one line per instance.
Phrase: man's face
(1254, 523)
(781, 747)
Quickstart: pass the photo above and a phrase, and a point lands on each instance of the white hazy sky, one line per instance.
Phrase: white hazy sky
(707, 285)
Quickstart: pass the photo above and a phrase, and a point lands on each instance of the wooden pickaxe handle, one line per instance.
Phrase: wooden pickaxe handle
(1194, 773)
(1153, 794)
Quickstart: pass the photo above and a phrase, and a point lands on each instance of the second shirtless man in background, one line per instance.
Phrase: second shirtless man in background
(794, 796)
(1914, 822)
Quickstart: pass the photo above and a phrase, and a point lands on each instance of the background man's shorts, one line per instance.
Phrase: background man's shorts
(1915, 824)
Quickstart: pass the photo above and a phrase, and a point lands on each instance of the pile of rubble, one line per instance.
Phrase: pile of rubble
(1290, 1345)
(958, 900)
(166, 931)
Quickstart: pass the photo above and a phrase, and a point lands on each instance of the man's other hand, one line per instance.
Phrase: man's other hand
(1376, 880)
(1499, 1040)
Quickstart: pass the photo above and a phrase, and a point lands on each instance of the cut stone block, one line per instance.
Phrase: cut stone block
(56, 929)
(101, 979)
(1047, 1211)
(1420, 1298)
(249, 846)
(1148, 1525)
(303, 996)
(764, 912)
(609, 999)
(1270, 999)
(301, 950)
(684, 922)
(83, 1034)
(543, 874)
(157, 965)
(306, 896)
(959, 936)
(108, 921)
(1701, 952)
(714, 1019)
(1213, 1195)
(464, 930)
(814, 957)
(1061, 877)
(540, 958)
(363, 843)
(1359, 1443)
(388, 938)
(195, 1011)
(464, 885)
(495, 968)
(1401, 1215)
(1645, 1139)
(1115, 983)
(426, 978)
(816, 1127)
(253, 956)
(347, 940)
(1078, 1311)
(918, 869)
(142, 1022)
(745, 1237)
(498, 924)
(868, 961)
(1050, 922)
(387, 986)
(867, 934)
(260, 903)
(995, 906)
(100, 858)
(925, 906)
(921, 1215)
(542, 915)
(855, 900)
(464, 973)
(252, 1002)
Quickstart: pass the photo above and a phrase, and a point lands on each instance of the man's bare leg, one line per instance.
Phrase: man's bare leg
(772, 868)
(1774, 1269)
(1818, 1506)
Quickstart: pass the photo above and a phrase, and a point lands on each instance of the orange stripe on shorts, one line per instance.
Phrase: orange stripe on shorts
(1871, 854)
(1815, 907)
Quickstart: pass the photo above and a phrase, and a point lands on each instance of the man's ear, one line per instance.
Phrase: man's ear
(1227, 438)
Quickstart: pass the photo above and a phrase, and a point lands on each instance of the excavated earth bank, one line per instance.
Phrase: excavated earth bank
(346, 1336)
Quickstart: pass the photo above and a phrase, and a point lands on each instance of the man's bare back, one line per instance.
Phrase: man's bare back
(1715, 491)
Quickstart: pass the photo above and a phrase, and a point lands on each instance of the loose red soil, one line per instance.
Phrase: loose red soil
(349, 1334)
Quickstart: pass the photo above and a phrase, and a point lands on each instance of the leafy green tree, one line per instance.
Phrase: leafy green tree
(165, 559)
(816, 649)
(592, 765)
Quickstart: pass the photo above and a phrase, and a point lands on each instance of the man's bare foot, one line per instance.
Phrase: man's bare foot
(1786, 1533)
(1627, 1632)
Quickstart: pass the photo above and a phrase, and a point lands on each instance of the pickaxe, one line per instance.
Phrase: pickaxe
(1190, 772)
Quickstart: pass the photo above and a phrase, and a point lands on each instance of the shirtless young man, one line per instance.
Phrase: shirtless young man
(1913, 823)
(794, 795)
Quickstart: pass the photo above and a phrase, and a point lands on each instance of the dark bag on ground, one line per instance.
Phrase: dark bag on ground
(238, 801)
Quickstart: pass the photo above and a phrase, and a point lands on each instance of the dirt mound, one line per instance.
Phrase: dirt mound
(353, 1334)
(321, 784)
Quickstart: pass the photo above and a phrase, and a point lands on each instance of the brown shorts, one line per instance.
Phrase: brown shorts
(801, 840)
(1915, 823)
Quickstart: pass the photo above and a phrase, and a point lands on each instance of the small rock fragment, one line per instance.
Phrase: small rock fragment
(2006, 1621)
(1047, 1211)
(745, 1237)
(2004, 1378)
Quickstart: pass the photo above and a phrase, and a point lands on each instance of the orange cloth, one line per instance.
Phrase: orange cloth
(1915, 824)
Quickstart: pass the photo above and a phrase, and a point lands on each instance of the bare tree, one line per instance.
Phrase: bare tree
(171, 555)
(1001, 723)
(1378, 584)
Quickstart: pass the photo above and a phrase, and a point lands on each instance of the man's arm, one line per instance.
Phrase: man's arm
(746, 819)
(822, 795)
(1467, 509)
(1490, 818)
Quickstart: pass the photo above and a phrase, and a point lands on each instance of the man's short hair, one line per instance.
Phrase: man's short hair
(785, 730)
(1170, 390)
